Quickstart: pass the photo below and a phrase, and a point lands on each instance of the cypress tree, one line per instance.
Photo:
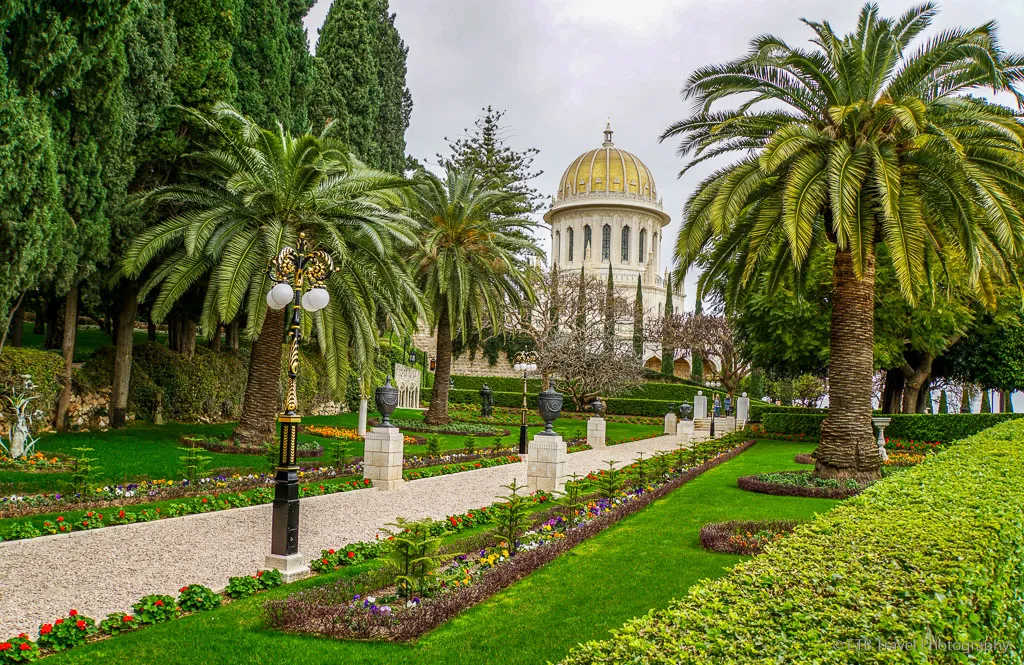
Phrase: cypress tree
(638, 320)
(756, 388)
(668, 356)
(609, 311)
(965, 400)
(696, 360)
(581, 302)
(986, 407)
(943, 404)
(395, 107)
(262, 60)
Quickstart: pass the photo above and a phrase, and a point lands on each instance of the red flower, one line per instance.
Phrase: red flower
(351, 555)
(23, 636)
(85, 523)
(73, 613)
(60, 518)
(366, 481)
(5, 646)
(323, 561)
(80, 624)
(183, 589)
(25, 646)
(127, 619)
(89, 514)
(159, 603)
(330, 551)
(58, 622)
(259, 573)
(120, 513)
(205, 501)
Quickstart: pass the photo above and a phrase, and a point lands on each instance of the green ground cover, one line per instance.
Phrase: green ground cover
(581, 596)
(87, 340)
(144, 450)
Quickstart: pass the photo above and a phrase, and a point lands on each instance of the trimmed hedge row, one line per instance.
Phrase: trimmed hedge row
(930, 557)
(666, 392)
(759, 409)
(942, 427)
(616, 406)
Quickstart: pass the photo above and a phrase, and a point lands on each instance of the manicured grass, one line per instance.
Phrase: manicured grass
(578, 597)
(87, 340)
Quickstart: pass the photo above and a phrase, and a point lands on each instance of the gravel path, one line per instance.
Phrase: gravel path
(106, 570)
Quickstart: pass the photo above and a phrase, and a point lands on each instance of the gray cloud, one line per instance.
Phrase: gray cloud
(561, 67)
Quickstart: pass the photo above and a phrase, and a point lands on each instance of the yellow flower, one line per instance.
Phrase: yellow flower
(504, 553)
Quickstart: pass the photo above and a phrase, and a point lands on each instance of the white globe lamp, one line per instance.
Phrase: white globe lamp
(315, 300)
(280, 295)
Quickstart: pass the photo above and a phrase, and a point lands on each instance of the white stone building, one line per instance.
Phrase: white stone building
(606, 211)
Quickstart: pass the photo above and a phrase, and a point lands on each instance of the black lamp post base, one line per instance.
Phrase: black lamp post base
(284, 531)
(522, 439)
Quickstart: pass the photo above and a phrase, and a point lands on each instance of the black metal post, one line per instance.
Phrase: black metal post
(522, 425)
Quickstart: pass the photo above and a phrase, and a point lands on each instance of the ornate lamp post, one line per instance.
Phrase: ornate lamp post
(299, 276)
(525, 361)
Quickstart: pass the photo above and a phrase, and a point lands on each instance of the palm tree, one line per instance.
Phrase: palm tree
(247, 198)
(472, 263)
(861, 141)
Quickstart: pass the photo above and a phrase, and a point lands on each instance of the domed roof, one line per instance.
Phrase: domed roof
(607, 170)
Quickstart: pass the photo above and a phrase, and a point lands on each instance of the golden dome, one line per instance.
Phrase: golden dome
(607, 170)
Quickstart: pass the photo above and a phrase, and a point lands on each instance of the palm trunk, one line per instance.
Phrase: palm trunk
(68, 350)
(848, 448)
(263, 388)
(215, 337)
(123, 356)
(437, 414)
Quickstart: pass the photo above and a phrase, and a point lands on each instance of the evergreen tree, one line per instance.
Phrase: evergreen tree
(638, 320)
(668, 356)
(697, 360)
(203, 71)
(943, 404)
(359, 81)
(609, 311)
(756, 388)
(986, 406)
(484, 150)
(581, 301)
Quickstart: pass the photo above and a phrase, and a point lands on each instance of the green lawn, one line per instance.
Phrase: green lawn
(578, 597)
(87, 340)
(144, 450)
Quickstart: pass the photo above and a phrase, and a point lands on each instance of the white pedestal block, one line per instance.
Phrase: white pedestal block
(700, 406)
(702, 429)
(670, 423)
(724, 426)
(362, 418)
(684, 431)
(382, 457)
(742, 410)
(292, 567)
(596, 429)
(545, 468)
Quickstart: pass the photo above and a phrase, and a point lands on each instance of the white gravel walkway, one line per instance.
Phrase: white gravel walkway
(106, 570)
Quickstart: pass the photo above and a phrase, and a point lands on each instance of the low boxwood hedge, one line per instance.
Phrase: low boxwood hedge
(759, 409)
(942, 427)
(917, 568)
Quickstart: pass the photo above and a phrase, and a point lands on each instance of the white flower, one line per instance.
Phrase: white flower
(371, 599)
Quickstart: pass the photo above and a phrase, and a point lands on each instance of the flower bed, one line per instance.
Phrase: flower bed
(447, 469)
(454, 428)
(744, 537)
(800, 483)
(348, 434)
(36, 462)
(76, 629)
(342, 610)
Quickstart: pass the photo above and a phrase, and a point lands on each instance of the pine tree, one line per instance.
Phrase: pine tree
(484, 150)
(638, 320)
(943, 404)
(696, 360)
(668, 356)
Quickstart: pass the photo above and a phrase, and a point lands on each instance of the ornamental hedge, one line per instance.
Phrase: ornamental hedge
(759, 409)
(917, 568)
(942, 427)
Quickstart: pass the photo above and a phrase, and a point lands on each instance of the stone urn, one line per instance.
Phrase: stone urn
(685, 411)
(549, 404)
(671, 407)
(386, 398)
(598, 407)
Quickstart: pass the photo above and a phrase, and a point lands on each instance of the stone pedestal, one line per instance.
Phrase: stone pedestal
(670, 423)
(382, 459)
(684, 431)
(362, 418)
(880, 424)
(596, 432)
(545, 468)
(700, 406)
(724, 426)
(702, 429)
(742, 411)
(293, 567)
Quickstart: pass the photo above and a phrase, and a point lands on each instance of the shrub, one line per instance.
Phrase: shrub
(805, 424)
(118, 622)
(46, 368)
(155, 608)
(744, 537)
(242, 586)
(18, 649)
(66, 633)
(932, 554)
(758, 409)
(943, 428)
(197, 598)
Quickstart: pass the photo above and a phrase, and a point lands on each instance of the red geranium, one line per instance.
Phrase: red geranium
(159, 603)
(183, 589)
(23, 636)
(60, 518)
(330, 551)
(323, 561)
(120, 513)
(25, 646)
(80, 624)
(127, 619)
(73, 613)
(58, 622)
(46, 629)
(351, 555)
(4, 646)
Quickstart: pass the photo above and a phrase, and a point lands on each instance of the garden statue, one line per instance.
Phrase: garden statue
(386, 398)
(549, 404)
(451, 382)
(486, 401)
(22, 443)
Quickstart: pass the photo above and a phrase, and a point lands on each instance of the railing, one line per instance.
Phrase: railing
(606, 195)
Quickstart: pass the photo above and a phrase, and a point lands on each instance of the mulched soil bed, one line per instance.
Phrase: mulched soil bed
(752, 484)
(232, 449)
(720, 536)
(804, 458)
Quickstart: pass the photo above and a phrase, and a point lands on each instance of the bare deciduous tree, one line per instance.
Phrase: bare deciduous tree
(710, 336)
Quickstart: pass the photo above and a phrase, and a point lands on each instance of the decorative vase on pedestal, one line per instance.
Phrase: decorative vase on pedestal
(386, 398)
(549, 404)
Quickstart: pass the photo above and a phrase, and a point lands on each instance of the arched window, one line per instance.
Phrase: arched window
(558, 247)
(570, 243)
(643, 245)
(606, 243)
(625, 244)
(588, 240)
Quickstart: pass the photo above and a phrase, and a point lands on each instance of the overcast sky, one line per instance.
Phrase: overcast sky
(562, 67)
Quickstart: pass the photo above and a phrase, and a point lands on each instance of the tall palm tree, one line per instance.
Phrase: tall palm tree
(855, 142)
(247, 198)
(472, 262)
